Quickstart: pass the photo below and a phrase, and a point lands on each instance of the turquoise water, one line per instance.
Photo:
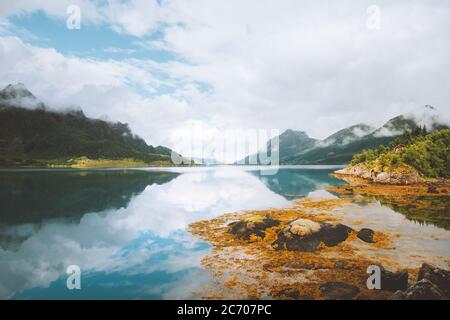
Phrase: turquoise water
(126, 229)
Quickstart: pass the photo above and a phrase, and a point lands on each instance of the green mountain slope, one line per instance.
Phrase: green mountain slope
(411, 158)
(340, 147)
(340, 152)
(37, 135)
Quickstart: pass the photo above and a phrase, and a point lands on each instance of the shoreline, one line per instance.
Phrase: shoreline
(254, 269)
(401, 176)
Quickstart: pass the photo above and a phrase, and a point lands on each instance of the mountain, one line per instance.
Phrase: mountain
(290, 142)
(19, 96)
(30, 134)
(340, 147)
(395, 127)
(348, 135)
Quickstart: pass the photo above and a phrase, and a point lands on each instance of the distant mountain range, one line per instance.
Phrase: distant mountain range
(296, 147)
(31, 134)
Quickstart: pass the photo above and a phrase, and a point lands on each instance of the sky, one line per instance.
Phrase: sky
(200, 68)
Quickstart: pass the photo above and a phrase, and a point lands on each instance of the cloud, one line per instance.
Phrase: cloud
(119, 50)
(256, 64)
(58, 9)
(100, 87)
(136, 17)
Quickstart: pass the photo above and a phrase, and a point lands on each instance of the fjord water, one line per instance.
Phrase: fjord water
(127, 229)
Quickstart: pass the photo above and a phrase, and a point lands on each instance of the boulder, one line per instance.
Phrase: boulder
(243, 229)
(421, 290)
(334, 233)
(439, 277)
(393, 281)
(306, 235)
(398, 295)
(366, 235)
(338, 291)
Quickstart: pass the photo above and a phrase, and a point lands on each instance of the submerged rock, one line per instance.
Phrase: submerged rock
(306, 235)
(366, 235)
(338, 291)
(244, 229)
(421, 290)
(393, 281)
(439, 277)
(398, 295)
(332, 234)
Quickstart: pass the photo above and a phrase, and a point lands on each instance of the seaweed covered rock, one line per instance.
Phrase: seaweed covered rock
(338, 291)
(366, 235)
(393, 281)
(306, 235)
(244, 229)
(439, 277)
(421, 290)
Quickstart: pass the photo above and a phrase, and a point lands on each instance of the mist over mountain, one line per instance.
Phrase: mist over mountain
(296, 147)
(29, 131)
(290, 142)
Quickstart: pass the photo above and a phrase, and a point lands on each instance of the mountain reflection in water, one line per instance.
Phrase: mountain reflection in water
(127, 229)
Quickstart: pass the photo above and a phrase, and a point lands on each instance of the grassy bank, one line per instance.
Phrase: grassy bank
(86, 163)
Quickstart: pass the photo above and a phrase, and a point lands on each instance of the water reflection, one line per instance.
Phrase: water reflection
(126, 229)
(34, 196)
(297, 183)
(140, 250)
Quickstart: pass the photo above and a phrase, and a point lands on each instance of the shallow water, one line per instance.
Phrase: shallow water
(127, 229)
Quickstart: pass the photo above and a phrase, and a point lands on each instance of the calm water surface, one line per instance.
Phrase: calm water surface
(126, 229)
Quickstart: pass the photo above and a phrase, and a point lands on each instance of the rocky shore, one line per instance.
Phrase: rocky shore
(399, 176)
(312, 251)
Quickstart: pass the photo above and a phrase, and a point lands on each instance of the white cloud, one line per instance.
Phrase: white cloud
(58, 9)
(136, 17)
(266, 64)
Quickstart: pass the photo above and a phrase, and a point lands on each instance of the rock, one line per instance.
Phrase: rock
(366, 235)
(338, 291)
(243, 229)
(432, 189)
(421, 290)
(304, 227)
(439, 277)
(306, 235)
(406, 176)
(393, 281)
(289, 294)
(398, 295)
(333, 234)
